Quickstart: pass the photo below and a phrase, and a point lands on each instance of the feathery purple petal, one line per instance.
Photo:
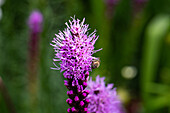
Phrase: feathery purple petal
(103, 99)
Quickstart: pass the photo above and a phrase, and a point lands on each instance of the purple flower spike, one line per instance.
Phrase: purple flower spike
(110, 6)
(35, 21)
(74, 48)
(103, 99)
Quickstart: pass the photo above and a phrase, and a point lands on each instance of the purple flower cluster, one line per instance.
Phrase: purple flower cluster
(35, 25)
(110, 6)
(35, 21)
(103, 99)
(74, 48)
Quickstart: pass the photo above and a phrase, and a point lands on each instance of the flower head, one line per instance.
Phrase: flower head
(35, 21)
(74, 48)
(103, 99)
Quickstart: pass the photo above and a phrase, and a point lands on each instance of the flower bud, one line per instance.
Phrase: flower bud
(73, 109)
(69, 101)
(76, 98)
(69, 110)
(85, 110)
(81, 103)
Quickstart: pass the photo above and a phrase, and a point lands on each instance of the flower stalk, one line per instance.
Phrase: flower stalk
(7, 97)
(35, 25)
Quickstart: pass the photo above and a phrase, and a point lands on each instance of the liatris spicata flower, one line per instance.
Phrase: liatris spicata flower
(35, 25)
(103, 99)
(35, 21)
(74, 48)
(138, 6)
(110, 5)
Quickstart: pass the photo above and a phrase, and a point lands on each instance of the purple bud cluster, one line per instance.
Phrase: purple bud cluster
(77, 95)
(74, 48)
(35, 21)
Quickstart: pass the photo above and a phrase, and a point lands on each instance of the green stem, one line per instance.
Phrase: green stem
(7, 97)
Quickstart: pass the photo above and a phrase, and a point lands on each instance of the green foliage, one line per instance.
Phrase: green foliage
(155, 34)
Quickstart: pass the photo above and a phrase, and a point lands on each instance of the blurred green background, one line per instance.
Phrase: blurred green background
(134, 35)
